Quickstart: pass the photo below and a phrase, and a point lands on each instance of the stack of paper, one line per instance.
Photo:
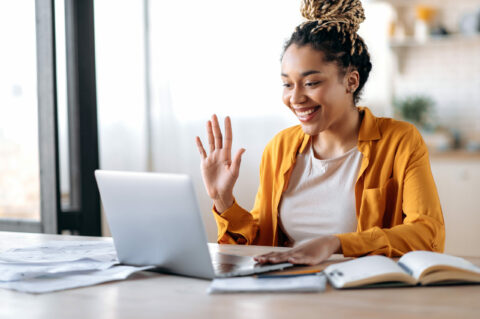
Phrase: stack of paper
(303, 283)
(59, 265)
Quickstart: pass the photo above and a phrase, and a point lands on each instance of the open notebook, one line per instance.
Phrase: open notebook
(413, 268)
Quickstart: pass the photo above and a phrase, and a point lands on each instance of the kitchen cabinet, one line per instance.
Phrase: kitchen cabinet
(457, 176)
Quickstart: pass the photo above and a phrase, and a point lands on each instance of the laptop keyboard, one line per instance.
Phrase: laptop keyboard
(226, 265)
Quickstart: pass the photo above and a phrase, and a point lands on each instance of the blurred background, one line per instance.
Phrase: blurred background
(161, 68)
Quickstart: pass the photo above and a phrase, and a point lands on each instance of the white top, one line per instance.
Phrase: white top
(320, 198)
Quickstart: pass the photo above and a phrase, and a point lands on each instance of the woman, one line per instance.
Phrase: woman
(343, 181)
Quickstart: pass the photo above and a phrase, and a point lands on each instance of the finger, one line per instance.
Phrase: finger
(301, 257)
(264, 255)
(235, 167)
(228, 138)
(210, 137)
(263, 258)
(217, 133)
(278, 258)
(296, 259)
(302, 260)
(200, 148)
(270, 257)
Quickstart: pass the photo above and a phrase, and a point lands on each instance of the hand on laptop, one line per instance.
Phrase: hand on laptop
(219, 171)
(312, 252)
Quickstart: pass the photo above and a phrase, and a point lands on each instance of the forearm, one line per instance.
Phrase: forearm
(223, 203)
(424, 234)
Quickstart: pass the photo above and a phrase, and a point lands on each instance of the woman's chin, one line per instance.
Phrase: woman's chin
(310, 129)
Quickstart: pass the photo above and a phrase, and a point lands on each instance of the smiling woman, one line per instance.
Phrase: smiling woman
(343, 180)
(320, 96)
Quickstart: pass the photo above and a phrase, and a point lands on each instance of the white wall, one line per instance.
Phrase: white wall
(120, 67)
(217, 57)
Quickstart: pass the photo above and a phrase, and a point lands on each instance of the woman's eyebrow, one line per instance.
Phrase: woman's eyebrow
(310, 72)
(304, 73)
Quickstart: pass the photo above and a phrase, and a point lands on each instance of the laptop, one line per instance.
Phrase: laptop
(155, 220)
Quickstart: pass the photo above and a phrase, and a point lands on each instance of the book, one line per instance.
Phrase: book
(413, 268)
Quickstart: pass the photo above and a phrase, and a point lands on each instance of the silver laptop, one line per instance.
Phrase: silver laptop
(155, 220)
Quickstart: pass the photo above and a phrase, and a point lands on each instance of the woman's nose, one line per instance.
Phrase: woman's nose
(297, 96)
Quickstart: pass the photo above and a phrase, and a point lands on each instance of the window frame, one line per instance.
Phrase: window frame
(82, 216)
(47, 126)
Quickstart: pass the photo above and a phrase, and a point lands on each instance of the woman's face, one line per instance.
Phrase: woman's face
(315, 90)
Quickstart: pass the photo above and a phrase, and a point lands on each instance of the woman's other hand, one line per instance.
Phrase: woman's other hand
(219, 170)
(312, 252)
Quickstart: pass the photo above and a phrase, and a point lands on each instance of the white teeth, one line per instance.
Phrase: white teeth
(305, 113)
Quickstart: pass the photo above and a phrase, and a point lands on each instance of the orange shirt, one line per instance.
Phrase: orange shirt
(397, 205)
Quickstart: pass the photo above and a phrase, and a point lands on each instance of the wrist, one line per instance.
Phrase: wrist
(336, 245)
(224, 203)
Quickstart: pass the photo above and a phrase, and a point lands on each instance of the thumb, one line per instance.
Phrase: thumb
(236, 162)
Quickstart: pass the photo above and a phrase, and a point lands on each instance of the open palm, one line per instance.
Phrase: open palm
(219, 170)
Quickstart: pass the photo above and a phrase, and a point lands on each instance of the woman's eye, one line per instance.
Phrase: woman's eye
(287, 85)
(312, 83)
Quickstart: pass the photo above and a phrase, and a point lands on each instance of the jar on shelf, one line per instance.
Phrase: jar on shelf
(424, 16)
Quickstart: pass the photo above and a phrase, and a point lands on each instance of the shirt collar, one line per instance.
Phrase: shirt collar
(304, 144)
(369, 130)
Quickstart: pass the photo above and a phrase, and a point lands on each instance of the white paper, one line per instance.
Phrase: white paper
(62, 251)
(56, 257)
(75, 280)
(308, 283)
(59, 265)
(12, 272)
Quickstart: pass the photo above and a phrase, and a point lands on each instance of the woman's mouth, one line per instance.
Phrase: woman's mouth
(305, 114)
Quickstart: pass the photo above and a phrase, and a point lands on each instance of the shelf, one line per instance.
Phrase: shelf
(408, 3)
(457, 155)
(454, 39)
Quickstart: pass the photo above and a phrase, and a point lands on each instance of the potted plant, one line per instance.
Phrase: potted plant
(418, 110)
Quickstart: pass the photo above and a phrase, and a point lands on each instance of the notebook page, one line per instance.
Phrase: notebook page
(419, 261)
(362, 268)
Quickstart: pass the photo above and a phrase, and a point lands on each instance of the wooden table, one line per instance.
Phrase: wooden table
(153, 295)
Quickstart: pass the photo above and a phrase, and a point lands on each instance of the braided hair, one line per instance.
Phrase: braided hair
(331, 27)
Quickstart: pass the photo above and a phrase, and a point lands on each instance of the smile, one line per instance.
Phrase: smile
(305, 114)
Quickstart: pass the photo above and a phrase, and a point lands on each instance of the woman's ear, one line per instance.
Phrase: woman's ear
(352, 81)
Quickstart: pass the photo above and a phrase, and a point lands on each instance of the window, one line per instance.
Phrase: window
(19, 164)
(29, 168)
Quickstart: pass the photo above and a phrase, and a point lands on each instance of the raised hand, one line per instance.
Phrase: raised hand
(219, 171)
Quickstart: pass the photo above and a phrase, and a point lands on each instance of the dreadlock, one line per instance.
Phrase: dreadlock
(331, 27)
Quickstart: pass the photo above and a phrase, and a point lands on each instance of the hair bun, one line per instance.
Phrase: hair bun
(346, 13)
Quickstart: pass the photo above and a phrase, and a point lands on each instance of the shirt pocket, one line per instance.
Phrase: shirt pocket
(377, 206)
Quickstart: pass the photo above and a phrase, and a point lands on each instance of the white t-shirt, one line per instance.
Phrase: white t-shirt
(320, 198)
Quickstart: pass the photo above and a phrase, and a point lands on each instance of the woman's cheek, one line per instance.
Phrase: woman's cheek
(286, 99)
